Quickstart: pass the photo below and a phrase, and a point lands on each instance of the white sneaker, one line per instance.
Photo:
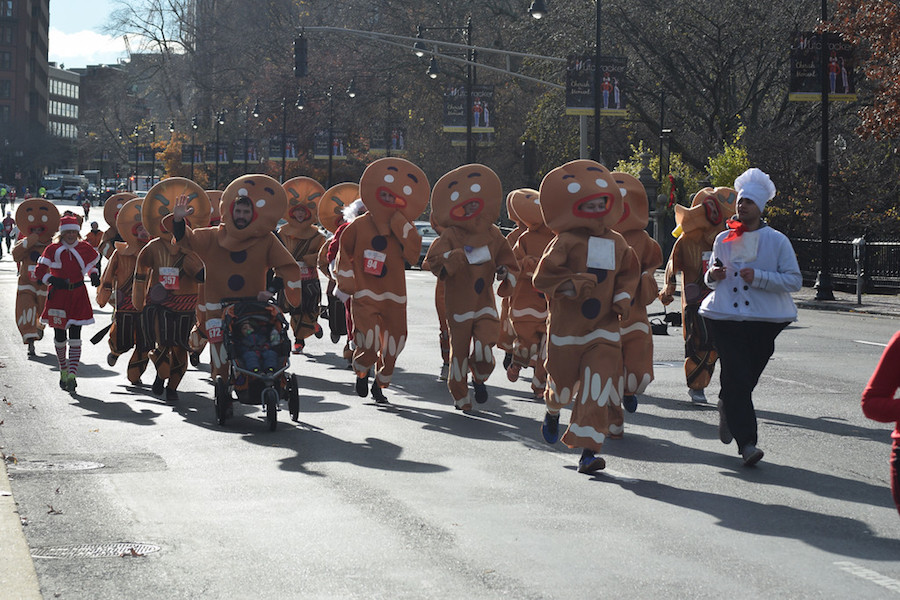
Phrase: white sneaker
(697, 396)
(445, 371)
(751, 454)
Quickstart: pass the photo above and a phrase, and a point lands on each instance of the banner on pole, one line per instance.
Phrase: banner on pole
(580, 85)
(806, 68)
(482, 109)
(337, 141)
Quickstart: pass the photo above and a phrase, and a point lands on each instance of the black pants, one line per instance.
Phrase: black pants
(744, 350)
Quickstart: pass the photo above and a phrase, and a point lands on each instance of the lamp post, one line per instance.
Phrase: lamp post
(194, 126)
(537, 10)
(132, 187)
(420, 49)
(824, 285)
(220, 120)
(152, 155)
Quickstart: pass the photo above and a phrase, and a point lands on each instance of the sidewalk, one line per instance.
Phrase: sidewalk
(886, 305)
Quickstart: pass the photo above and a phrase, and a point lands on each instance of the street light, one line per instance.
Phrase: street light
(220, 120)
(824, 285)
(194, 126)
(538, 10)
(135, 132)
(152, 155)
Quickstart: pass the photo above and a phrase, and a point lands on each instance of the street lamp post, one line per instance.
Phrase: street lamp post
(194, 126)
(537, 10)
(824, 285)
(133, 187)
(220, 120)
(152, 155)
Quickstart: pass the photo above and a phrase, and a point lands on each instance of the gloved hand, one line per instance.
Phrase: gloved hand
(95, 279)
(57, 281)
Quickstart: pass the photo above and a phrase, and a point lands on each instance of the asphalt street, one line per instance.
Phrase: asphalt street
(112, 493)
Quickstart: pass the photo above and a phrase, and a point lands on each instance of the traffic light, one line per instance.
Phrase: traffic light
(300, 69)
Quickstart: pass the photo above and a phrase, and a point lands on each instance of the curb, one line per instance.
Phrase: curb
(18, 579)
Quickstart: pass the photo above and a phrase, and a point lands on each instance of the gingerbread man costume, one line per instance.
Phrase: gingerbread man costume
(110, 211)
(637, 339)
(166, 282)
(37, 220)
(304, 240)
(507, 336)
(238, 253)
(589, 275)
(468, 254)
(371, 260)
(528, 307)
(697, 228)
(197, 339)
(128, 329)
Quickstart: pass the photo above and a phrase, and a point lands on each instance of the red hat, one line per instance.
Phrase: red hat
(69, 223)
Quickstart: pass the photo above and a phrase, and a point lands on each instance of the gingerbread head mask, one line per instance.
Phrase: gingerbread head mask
(303, 197)
(251, 207)
(706, 217)
(161, 198)
(468, 197)
(215, 199)
(636, 211)
(581, 194)
(113, 205)
(38, 216)
(130, 224)
(333, 202)
(526, 204)
(391, 185)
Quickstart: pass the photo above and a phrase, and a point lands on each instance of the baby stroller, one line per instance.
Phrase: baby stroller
(256, 341)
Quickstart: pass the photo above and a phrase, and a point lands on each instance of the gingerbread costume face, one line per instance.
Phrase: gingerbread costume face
(468, 197)
(114, 204)
(267, 205)
(215, 201)
(333, 202)
(391, 185)
(526, 203)
(303, 196)
(636, 210)
(38, 216)
(581, 194)
(161, 198)
(130, 225)
(706, 217)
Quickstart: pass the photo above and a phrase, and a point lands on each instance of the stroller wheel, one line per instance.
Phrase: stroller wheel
(293, 398)
(270, 401)
(223, 401)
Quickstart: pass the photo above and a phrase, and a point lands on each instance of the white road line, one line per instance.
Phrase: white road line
(869, 575)
(870, 343)
(806, 385)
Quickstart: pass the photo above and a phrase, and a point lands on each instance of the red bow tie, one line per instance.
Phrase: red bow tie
(737, 230)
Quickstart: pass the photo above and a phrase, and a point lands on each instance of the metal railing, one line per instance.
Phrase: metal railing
(881, 264)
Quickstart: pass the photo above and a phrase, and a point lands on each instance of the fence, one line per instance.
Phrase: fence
(881, 264)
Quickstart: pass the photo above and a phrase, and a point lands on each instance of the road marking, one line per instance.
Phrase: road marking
(806, 385)
(870, 343)
(869, 575)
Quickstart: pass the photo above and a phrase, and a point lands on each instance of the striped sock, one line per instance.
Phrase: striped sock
(61, 356)
(74, 356)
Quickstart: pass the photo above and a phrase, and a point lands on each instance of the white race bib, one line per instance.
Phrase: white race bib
(374, 262)
(168, 277)
(214, 330)
(601, 254)
(477, 256)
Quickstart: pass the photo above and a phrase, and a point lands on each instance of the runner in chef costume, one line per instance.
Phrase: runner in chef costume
(528, 307)
(469, 254)
(304, 240)
(239, 252)
(166, 282)
(127, 330)
(637, 339)
(37, 220)
(371, 261)
(697, 228)
(589, 275)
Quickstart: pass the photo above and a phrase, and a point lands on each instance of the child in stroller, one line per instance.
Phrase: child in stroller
(257, 348)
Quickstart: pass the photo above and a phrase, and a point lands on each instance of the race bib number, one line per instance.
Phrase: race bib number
(374, 262)
(31, 274)
(57, 317)
(706, 256)
(214, 331)
(601, 254)
(305, 271)
(168, 277)
(477, 256)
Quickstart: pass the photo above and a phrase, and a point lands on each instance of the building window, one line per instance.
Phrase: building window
(6, 8)
(7, 34)
(4, 113)
(5, 88)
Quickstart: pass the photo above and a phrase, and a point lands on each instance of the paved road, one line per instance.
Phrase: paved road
(416, 500)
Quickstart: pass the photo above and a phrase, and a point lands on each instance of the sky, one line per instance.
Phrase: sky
(77, 36)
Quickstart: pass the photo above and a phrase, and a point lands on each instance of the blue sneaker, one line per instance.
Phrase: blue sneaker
(550, 428)
(590, 462)
(630, 403)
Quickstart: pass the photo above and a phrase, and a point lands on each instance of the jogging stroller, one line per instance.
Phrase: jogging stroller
(256, 340)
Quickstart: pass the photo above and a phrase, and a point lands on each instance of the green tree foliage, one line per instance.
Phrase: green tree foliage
(725, 167)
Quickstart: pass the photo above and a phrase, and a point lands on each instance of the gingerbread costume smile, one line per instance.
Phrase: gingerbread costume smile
(468, 210)
(593, 207)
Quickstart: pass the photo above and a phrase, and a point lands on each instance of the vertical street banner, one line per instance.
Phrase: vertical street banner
(211, 153)
(282, 148)
(386, 140)
(482, 109)
(186, 151)
(337, 141)
(580, 92)
(806, 68)
(238, 148)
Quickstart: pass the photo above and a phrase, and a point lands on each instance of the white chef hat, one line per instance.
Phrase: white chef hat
(755, 185)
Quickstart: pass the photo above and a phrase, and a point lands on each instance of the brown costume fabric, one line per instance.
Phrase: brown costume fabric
(507, 335)
(371, 262)
(37, 220)
(698, 226)
(465, 203)
(110, 211)
(237, 260)
(584, 352)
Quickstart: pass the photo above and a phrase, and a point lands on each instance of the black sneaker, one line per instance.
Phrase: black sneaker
(195, 359)
(362, 386)
(319, 333)
(507, 360)
(481, 393)
(377, 394)
(630, 403)
(171, 396)
(111, 359)
(158, 386)
(550, 428)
